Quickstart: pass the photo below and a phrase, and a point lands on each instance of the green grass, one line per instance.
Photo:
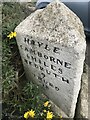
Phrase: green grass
(19, 95)
(11, 18)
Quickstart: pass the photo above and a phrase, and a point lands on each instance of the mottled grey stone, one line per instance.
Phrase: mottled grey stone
(52, 47)
(82, 105)
(0, 60)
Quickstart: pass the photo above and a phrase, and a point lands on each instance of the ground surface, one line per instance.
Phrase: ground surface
(88, 62)
(13, 105)
(88, 51)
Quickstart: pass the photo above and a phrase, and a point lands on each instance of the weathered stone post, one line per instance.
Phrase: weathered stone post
(52, 47)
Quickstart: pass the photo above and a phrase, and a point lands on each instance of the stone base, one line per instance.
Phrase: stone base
(82, 104)
(57, 110)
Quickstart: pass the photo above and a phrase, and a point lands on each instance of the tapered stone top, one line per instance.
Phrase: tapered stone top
(52, 47)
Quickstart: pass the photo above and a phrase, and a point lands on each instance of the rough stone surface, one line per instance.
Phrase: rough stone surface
(89, 94)
(82, 105)
(0, 50)
(57, 110)
(0, 60)
(52, 47)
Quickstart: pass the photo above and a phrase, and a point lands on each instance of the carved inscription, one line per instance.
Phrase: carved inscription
(45, 62)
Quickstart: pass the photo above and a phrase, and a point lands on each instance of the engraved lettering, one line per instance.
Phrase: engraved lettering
(40, 44)
(21, 47)
(40, 61)
(45, 64)
(60, 70)
(26, 40)
(59, 62)
(42, 75)
(48, 72)
(53, 67)
(66, 80)
(26, 49)
(47, 48)
(32, 42)
(67, 65)
(52, 59)
(51, 84)
(32, 51)
(26, 61)
(56, 50)
(36, 65)
(56, 75)
(39, 54)
(56, 88)
(28, 56)
(39, 78)
(33, 58)
(45, 56)
(41, 68)
(30, 62)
